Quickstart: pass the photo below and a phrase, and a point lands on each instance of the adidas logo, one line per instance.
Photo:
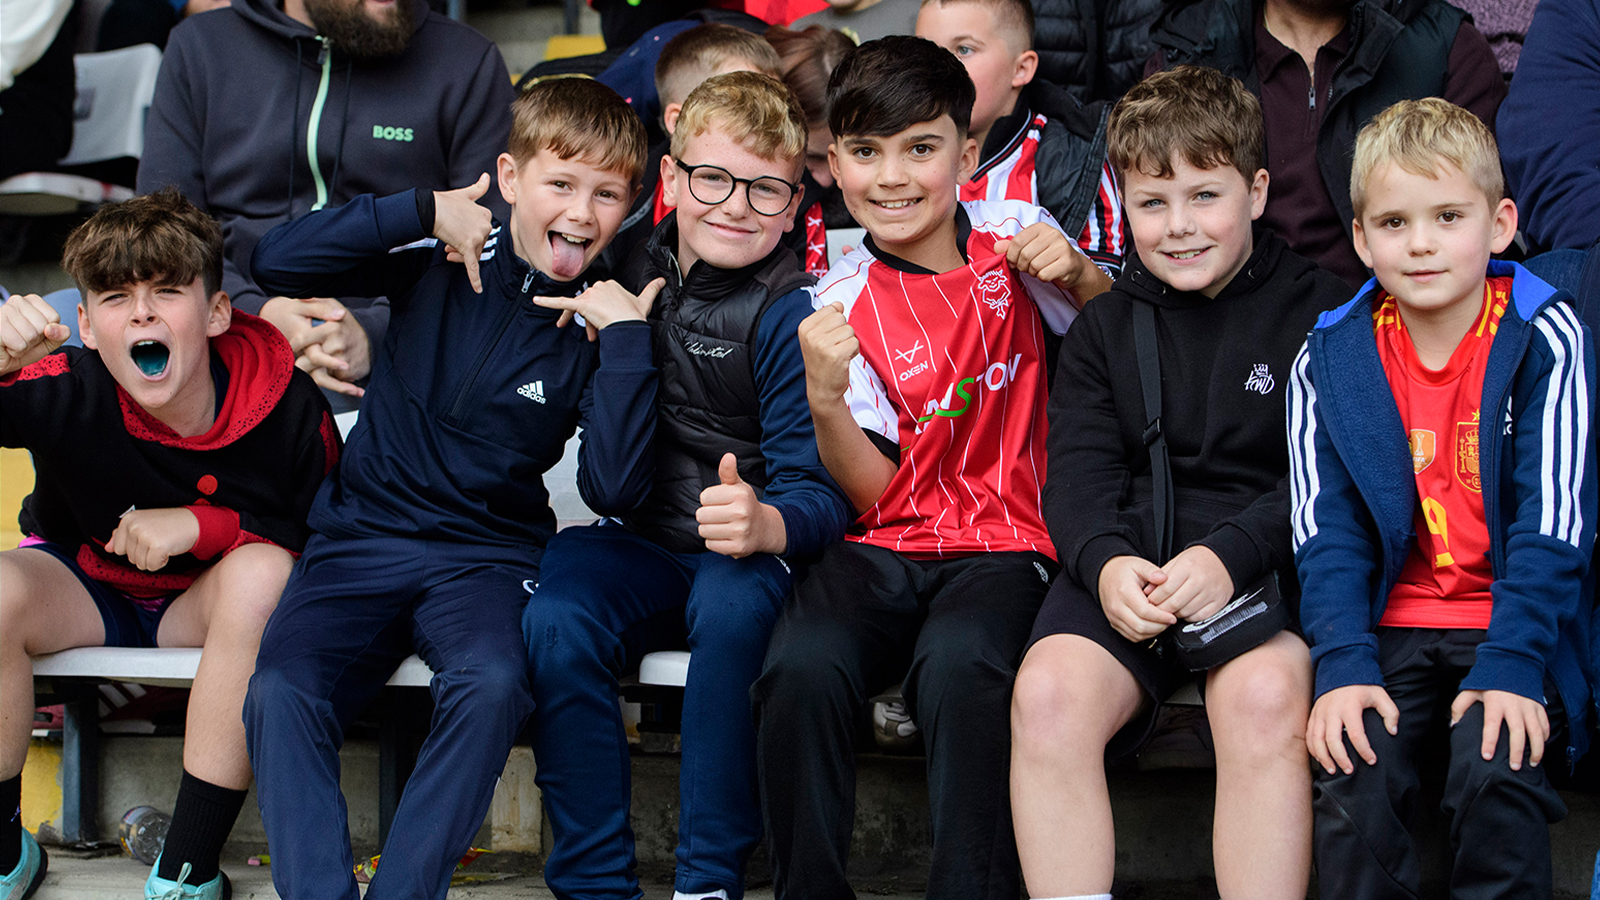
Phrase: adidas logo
(533, 390)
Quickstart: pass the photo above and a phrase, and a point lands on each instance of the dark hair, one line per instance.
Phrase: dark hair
(1197, 113)
(809, 57)
(159, 237)
(891, 84)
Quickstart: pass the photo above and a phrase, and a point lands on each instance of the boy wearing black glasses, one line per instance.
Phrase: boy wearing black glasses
(738, 495)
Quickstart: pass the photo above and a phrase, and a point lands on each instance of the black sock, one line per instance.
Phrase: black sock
(10, 823)
(201, 821)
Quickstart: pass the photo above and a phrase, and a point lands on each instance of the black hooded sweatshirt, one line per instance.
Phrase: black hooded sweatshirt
(244, 91)
(1224, 373)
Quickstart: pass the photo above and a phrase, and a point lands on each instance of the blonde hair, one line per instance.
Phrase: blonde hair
(696, 54)
(1197, 113)
(1416, 135)
(1013, 18)
(757, 111)
(577, 116)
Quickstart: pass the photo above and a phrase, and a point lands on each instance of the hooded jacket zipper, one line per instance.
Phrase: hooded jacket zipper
(457, 407)
(325, 60)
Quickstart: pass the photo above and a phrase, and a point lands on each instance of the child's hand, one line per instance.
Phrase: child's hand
(603, 304)
(30, 329)
(828, 343)
(1125, 582)
(1339, 712)
(149, 537)
(1526, 719)
(1197, 585)
(1042, 251)
(463, 225)
(733, 521)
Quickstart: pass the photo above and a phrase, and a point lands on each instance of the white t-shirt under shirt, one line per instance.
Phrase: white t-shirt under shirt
(952, 371)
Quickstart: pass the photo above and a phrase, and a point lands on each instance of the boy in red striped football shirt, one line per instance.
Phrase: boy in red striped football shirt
(925, 373)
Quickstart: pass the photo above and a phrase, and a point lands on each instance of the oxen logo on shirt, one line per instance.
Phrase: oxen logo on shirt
(994, 289)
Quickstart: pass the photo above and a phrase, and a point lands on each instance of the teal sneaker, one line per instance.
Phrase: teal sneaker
(29, 873)
(158, 888)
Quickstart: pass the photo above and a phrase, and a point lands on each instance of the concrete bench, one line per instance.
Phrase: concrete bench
(73, 677)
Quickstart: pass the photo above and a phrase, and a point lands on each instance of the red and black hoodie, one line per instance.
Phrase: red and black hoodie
(97, 453)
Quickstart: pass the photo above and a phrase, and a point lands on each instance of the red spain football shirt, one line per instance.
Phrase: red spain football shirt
(1445, 580)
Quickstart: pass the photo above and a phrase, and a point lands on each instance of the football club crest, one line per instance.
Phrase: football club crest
(1424, 444)
(994, 289)
(1467, 456)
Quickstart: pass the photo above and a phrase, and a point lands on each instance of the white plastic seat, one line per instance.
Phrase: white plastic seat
(114, 93)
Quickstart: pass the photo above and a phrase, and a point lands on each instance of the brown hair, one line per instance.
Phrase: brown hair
(578, 116)
(1200, 114)
(755, 110)
(809, 58)
(696, 54)
(159, 237)
(1014, 18)
(1417, 135)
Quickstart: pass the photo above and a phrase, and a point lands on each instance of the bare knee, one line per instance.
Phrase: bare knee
(250, 581)
(1068, 701)
(1259, 702)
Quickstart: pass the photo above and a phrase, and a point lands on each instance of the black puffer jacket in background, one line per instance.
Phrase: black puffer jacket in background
(1094, 48)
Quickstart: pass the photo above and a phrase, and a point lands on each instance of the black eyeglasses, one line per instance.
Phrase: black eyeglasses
(711, 185)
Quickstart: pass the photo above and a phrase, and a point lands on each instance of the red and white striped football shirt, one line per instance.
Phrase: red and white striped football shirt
(952, 370)
(1010, 175)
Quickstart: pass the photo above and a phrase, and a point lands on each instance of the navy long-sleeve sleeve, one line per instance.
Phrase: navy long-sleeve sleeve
(814, 509)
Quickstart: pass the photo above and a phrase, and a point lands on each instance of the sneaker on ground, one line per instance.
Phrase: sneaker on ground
(158, 888)
(892, 727)
(29, 873)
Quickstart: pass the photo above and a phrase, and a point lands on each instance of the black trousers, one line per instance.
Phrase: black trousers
(1499, 819)
(863, 618)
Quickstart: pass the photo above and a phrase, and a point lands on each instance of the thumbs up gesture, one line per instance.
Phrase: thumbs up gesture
(463, 225)
(733, 521)
(30, 329)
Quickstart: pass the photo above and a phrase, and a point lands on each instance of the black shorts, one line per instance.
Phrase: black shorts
(1070, 609)
(130, 621)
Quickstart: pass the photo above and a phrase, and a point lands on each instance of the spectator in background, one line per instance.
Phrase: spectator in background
(393, 97)
(1352, 58)
(36, 83)
(1504, 23)
(1550, 127)
(865, 20)
(809, 58)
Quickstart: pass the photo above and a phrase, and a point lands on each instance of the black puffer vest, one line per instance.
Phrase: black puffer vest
(1399, 50)
(704, 330)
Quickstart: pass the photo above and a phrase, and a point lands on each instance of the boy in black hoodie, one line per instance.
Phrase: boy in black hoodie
(177, 458)
(1231, 309)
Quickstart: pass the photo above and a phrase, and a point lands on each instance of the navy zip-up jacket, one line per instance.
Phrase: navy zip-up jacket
(473, 396)
(1354, 495)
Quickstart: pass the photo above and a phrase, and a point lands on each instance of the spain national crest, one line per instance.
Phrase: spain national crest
(1467, 456)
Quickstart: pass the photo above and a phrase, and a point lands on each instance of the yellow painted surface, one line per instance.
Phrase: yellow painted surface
(16, 482)
(562, 46)
(41, 786)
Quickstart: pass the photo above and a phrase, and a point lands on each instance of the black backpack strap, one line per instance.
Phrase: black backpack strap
(1144, 344)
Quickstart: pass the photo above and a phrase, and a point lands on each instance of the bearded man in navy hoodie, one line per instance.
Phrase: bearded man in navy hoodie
(270, 109)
